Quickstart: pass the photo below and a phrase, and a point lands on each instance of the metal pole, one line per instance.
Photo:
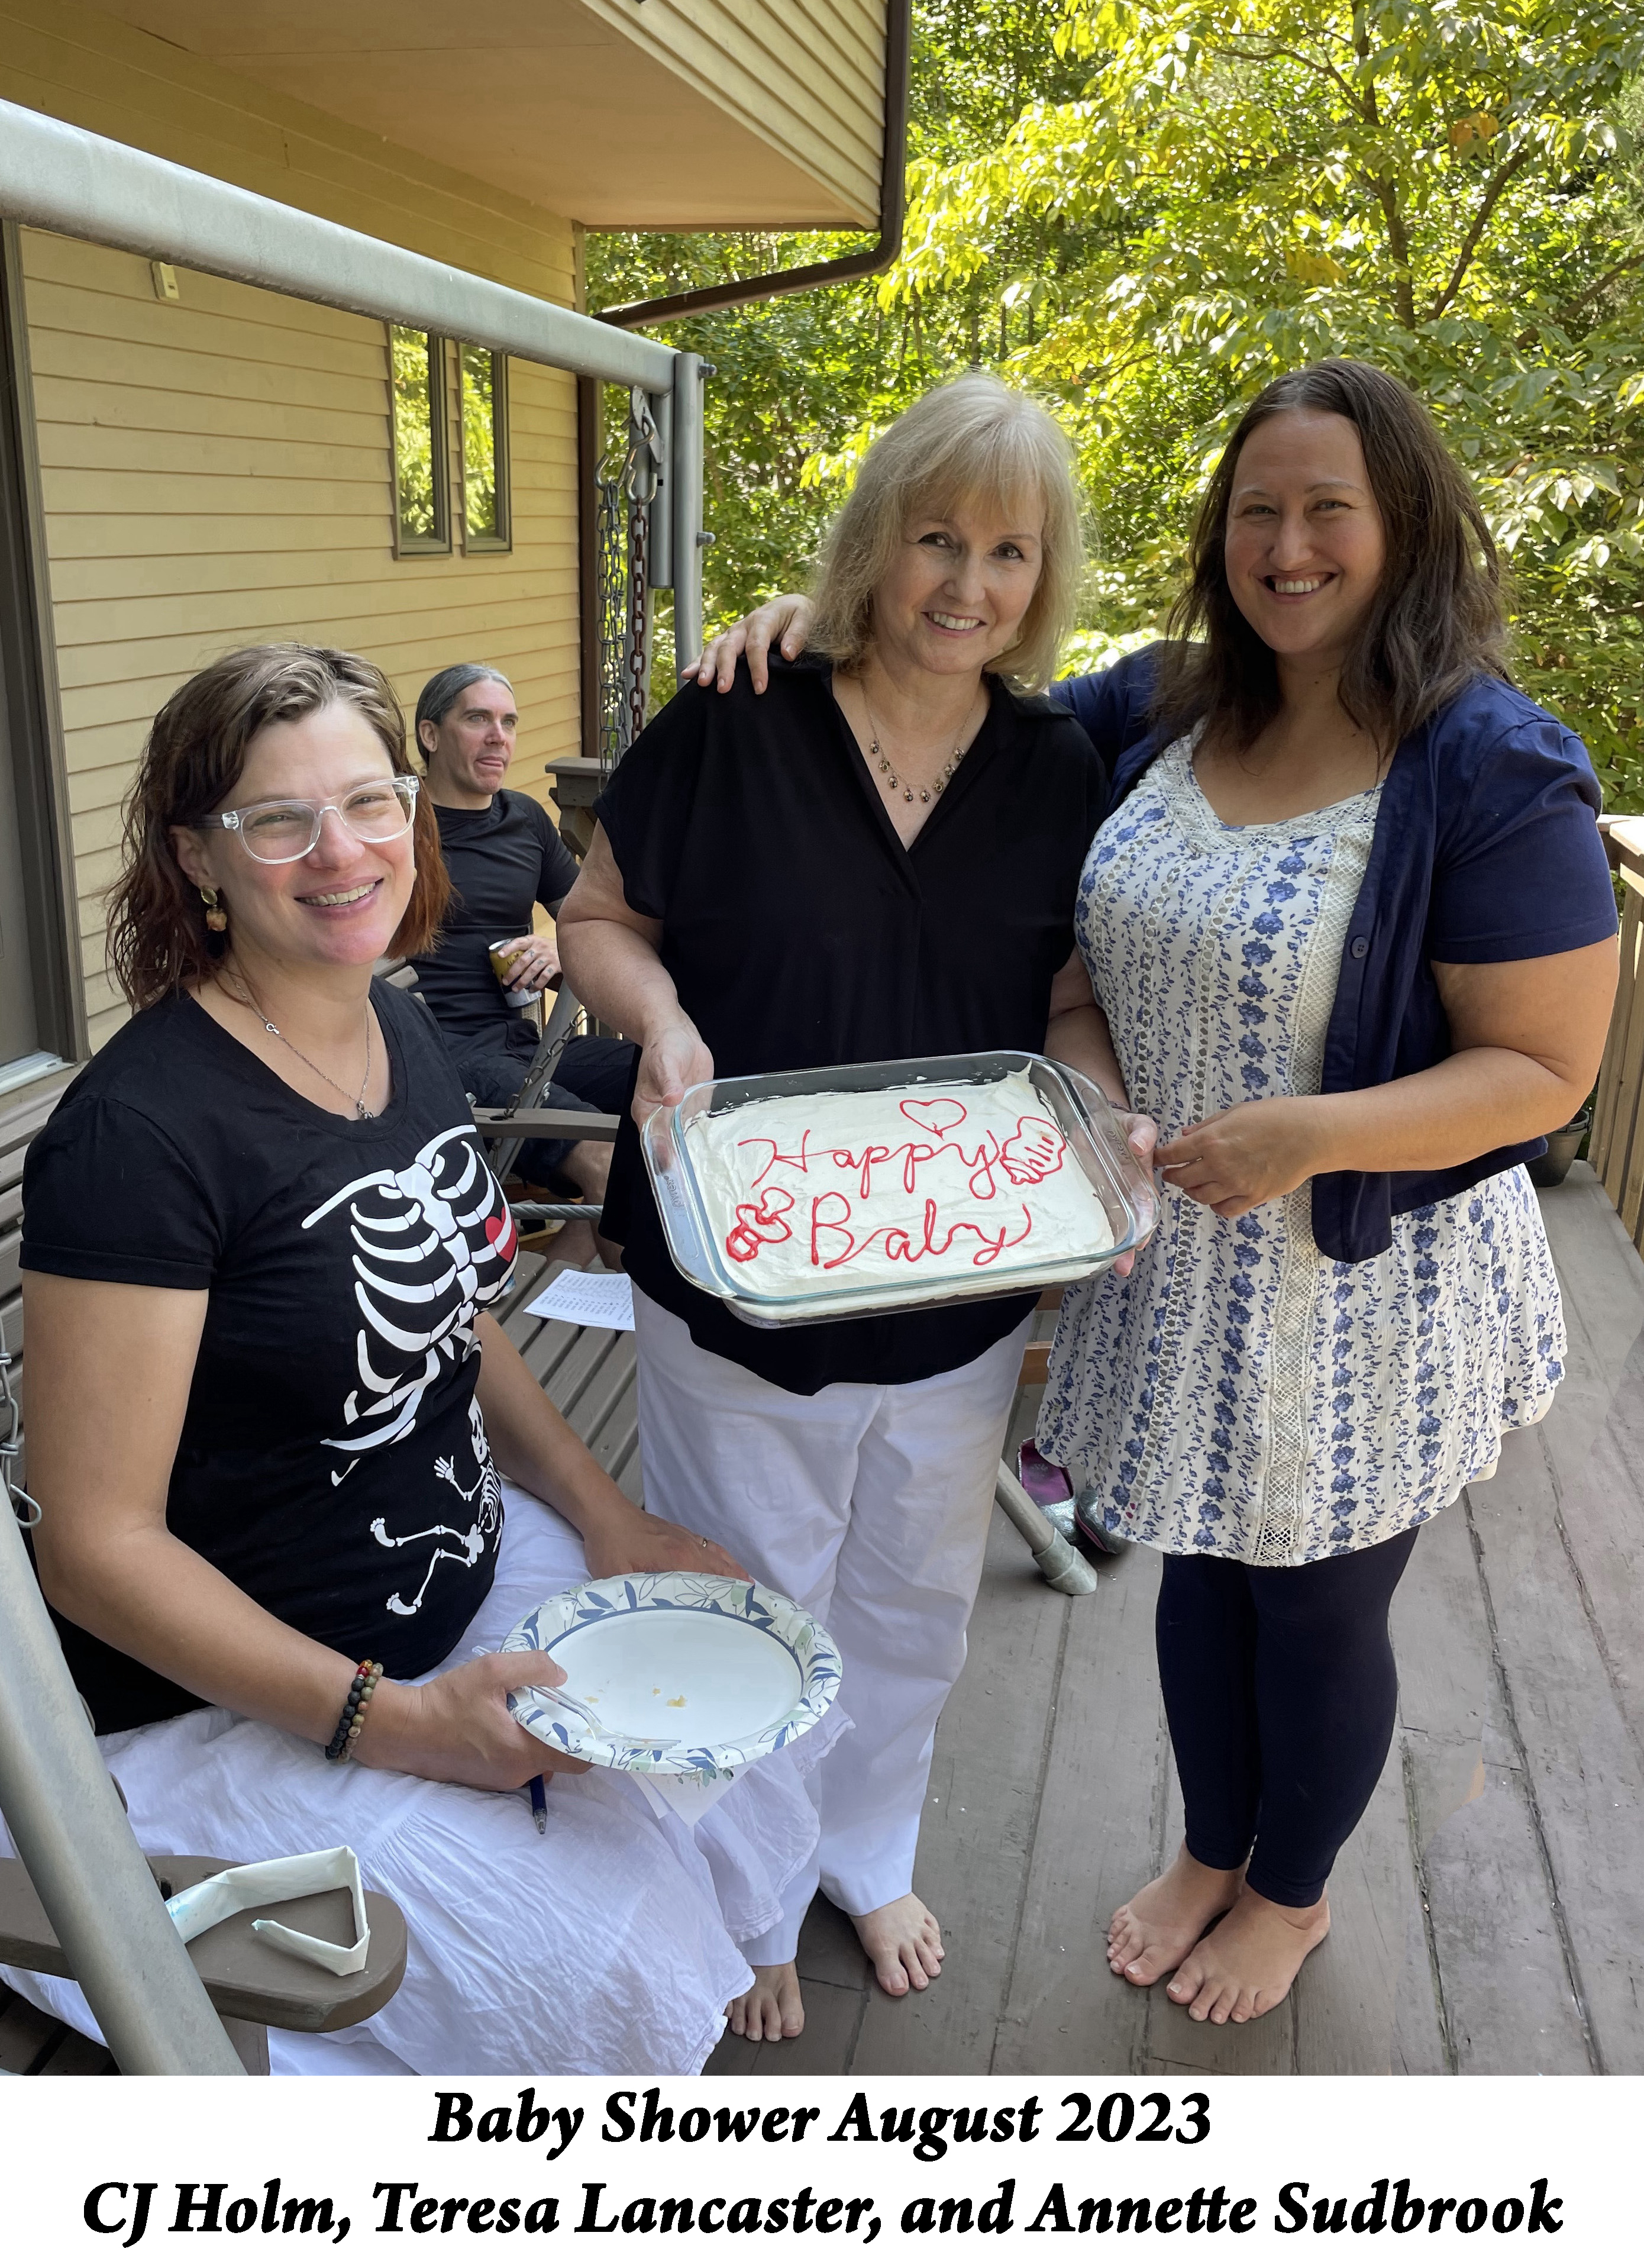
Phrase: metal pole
(686, 479)
(56, 176)
(73, 1837)
(660, 542)
(1063, 1568)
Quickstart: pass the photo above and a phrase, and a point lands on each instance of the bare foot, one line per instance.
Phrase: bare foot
(904, 1942)
(1149, 1935)
(1249, 1961)
(772, 2009)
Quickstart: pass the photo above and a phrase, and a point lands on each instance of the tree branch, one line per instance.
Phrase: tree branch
(1320, 66)
(1386, 195)
(1494, 191)
(1571, 308)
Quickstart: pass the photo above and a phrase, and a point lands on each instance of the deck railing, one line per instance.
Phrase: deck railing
(1617, 1147)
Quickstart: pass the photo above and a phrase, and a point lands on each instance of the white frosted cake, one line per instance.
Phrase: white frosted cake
(883, 1192)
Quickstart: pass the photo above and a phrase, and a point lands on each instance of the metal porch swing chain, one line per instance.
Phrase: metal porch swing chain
(625, 485)
(642, 476)
(23, 1504)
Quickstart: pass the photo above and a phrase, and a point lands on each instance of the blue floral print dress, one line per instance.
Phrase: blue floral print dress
(1241, 1393)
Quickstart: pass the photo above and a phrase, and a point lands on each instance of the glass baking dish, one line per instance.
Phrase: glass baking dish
(676, 1150)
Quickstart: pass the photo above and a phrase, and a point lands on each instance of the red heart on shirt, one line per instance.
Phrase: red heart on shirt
(501, 1234)
(935, 1117)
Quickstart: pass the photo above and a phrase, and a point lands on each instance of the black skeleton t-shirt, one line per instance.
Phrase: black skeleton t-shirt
(332, 1463)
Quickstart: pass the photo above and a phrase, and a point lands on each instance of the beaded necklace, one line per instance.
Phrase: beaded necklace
(925, 794)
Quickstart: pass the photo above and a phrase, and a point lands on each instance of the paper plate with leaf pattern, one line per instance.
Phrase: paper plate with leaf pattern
(675, 1673)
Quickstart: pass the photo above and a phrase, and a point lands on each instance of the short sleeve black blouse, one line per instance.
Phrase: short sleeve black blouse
(799, 931)
(333, 1463)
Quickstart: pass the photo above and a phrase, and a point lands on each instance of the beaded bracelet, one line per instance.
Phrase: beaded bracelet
(340, 1748)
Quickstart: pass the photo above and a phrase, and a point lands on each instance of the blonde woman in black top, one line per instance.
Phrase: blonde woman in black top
(877, 860)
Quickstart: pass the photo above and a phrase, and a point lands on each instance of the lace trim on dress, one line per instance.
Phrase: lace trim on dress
(1278, 1514)
(1173, 777)
(1303, 1275)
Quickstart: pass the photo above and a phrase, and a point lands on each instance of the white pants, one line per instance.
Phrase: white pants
(869, 1505)
(610, 1944)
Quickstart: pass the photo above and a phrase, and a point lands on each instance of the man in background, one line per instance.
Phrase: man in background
(505, 857)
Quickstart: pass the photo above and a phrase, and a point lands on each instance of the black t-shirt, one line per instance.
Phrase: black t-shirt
(799, 931)
(502, 861)
(333, 1463)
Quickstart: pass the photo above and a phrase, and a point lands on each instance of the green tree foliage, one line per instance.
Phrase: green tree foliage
(1146, 211)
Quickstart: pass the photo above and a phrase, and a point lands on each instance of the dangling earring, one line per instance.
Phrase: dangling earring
(216, 916)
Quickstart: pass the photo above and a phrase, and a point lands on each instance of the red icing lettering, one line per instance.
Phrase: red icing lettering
(992, 1168)
(801, 1160)
(833, 1224)
(897, 1244)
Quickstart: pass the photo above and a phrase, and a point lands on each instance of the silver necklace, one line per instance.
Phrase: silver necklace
(925, 794)
(356, 1101)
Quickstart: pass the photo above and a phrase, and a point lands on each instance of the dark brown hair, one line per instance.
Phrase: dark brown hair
(1436, 620)
(195, 751)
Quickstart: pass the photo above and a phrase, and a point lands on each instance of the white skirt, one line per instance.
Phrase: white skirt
(608, 1945)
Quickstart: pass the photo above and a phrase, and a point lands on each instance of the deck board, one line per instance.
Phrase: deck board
(1096, 1838)
(984, 1794)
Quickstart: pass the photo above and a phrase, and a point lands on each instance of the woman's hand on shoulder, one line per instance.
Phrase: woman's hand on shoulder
(787, 618)
(1247, 1156)
(458, 1728)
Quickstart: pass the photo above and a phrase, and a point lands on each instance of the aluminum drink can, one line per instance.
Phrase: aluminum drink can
(501, 963)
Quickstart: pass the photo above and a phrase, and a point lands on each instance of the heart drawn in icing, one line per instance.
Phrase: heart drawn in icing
(936, 1117)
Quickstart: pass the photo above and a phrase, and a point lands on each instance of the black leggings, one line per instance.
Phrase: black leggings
(1279, 1688)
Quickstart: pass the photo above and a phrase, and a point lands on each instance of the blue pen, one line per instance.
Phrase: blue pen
(540, 1805)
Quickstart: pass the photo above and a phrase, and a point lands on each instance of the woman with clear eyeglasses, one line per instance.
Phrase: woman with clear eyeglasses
(269, 1421)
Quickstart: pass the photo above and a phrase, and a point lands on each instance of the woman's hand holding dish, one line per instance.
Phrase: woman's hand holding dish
(1142, 1136)
(672, 1059)
(458, 1728)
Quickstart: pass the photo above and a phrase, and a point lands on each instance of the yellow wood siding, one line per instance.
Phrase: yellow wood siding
(216, 473)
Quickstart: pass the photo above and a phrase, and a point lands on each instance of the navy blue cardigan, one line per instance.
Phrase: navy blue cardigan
(1485, 849)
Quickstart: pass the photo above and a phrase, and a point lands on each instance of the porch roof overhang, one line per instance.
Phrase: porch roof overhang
(685, 114)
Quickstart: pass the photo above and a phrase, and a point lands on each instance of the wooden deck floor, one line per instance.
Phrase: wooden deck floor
(1489, 1914)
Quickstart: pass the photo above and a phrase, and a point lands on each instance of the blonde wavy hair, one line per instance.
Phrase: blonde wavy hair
(975, 440)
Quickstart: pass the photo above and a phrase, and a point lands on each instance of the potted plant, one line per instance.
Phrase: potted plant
(1563, 1148)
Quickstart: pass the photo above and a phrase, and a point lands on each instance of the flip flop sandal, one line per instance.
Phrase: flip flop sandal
(1050, 1488)
(1094, 1540)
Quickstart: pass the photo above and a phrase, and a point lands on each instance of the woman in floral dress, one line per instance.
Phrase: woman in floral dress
(1351, 925)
